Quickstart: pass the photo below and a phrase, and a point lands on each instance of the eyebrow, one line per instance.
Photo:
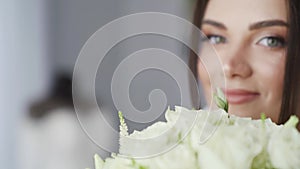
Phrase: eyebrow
(257, 25)
(214, 23)
(268, 23)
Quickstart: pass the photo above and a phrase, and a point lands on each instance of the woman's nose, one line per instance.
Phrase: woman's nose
(236, 63)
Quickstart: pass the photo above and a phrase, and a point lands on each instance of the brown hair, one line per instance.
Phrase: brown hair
(291, 90)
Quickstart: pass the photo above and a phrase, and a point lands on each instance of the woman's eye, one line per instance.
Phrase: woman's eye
(216, 39)
(272, 42)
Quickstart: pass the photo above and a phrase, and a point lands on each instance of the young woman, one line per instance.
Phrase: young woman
(258, 43)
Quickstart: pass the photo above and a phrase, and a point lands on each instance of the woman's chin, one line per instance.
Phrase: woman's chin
(244, 112)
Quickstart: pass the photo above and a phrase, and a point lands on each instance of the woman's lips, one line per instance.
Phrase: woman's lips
(239, 96)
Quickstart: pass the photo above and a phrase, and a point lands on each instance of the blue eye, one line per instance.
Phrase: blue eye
(272, 42)
(216, 39)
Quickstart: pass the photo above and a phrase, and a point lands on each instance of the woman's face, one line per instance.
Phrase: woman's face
(250, 38)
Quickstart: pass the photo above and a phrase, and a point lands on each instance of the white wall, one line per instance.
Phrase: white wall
(77, 20)
(40, 37)
(24, 67)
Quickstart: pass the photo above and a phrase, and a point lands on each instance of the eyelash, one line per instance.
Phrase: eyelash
(215, 36)
(280, 41)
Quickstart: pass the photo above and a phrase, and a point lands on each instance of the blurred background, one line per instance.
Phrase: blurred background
(39, 43)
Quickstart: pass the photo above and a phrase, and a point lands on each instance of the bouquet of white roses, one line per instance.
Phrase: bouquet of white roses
(215, 140)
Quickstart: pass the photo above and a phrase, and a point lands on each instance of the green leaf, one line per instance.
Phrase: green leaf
(123, 126)
(220, 100)
(292, 122)
(263, 117)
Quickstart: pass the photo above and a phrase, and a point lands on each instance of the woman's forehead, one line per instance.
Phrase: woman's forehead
(245, 11)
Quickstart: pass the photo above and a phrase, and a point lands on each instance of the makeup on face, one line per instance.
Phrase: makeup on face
(250, 38)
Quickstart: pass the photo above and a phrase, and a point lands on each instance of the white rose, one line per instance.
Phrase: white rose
(232, 147)
(284, 148)
(180, 157)
(226, 143)
(159, 137)
(118, 163)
